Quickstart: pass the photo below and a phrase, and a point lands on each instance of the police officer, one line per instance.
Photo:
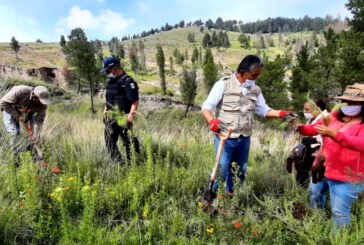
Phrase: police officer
(121, 95)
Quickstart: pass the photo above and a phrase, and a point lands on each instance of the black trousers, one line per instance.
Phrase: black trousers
(113, 132)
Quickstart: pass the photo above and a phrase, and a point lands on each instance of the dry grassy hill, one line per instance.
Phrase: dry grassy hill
(36, 55)
(33, 55)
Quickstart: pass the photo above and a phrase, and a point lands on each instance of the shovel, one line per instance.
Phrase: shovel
(209, 195)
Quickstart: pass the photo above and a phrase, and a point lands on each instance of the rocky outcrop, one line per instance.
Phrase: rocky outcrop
(47, 74)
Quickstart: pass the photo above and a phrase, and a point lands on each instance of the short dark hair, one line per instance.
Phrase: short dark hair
(249, 63)
(321, 104)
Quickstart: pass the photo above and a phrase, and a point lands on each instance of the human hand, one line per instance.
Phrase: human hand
(214, 125)
(296, 125)
(326, 131)
(288, 116)
(130, 118)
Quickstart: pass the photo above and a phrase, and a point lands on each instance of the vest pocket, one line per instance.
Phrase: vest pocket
(231, 121)
(231, 103)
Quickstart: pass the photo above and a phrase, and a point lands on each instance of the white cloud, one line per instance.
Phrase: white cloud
(144, 8)
(108, 22)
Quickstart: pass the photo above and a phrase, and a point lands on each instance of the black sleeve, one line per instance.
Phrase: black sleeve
(131, 89)
(309, 140)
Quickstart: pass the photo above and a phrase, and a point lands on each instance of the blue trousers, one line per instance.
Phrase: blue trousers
(235, 150)
(342, 197)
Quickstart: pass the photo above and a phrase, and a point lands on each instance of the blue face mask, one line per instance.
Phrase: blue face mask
(248, 83)
(351, 110)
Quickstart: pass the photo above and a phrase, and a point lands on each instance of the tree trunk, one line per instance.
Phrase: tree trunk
(92, 95)
(79, 86)
(16, 54)
(188, 106)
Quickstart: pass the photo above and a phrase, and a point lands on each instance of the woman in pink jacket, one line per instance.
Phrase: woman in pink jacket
(343, 149)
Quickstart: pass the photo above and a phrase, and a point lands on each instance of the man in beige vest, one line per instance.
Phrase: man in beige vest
(27, 106)
(236, 98)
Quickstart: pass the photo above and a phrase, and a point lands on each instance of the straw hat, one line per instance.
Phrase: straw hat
(353, 93)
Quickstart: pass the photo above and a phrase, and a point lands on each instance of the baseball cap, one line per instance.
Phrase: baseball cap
(43, 94)
(108, 62)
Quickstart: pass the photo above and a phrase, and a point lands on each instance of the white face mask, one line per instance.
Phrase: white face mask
(248, 83)
(351, 110)
(308, 115)
(111, 75)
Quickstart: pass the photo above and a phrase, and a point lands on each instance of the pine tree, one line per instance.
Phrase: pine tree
(14, 44)
(121, 51)
(206, 40)
(80, 55)
(243, 40)
(225, 41)
(272, 83)
(133, 56)
(214, 39)
(194, 58)
(356, 7)
(62, 41)
(142, 55)
(97, 45)
(161, 65)
(114, 45)
(188, 87)
(209, 70)
(171, 69)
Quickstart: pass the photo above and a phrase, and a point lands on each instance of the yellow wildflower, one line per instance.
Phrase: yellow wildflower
(210, 230)
(71, 179)
(145, 214)
(52, 194)
(199, 204)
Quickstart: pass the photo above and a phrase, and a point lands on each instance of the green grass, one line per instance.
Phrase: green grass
(152, 200)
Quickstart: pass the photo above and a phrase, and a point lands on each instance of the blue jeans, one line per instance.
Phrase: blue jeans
(235, 150)
(342, 197)
(11, 124)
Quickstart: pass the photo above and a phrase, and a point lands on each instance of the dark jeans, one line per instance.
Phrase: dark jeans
(112, 133)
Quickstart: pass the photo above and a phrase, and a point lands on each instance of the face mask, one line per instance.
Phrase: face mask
(351, 110)
(111, 75)
(248, 83)
(308, 115)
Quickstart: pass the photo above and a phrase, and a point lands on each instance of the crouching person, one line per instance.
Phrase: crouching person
(24, 106)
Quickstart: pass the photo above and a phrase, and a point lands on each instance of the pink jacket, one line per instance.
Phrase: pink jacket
(344, 153)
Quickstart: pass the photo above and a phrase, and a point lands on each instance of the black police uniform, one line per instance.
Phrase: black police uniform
(121, 92)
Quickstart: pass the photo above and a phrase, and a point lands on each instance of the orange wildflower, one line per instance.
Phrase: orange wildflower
(237, 224)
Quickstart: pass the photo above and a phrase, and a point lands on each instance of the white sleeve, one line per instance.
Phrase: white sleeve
(214, 97)
(261, 107)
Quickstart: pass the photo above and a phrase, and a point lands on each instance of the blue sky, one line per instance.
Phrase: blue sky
(29, 20)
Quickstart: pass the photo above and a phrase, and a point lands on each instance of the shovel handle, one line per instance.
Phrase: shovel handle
(223, 138)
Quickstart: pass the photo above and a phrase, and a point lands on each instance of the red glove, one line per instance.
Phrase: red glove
(283, 113)
(214, 125)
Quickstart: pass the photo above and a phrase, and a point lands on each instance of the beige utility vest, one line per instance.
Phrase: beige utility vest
(235, 109)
